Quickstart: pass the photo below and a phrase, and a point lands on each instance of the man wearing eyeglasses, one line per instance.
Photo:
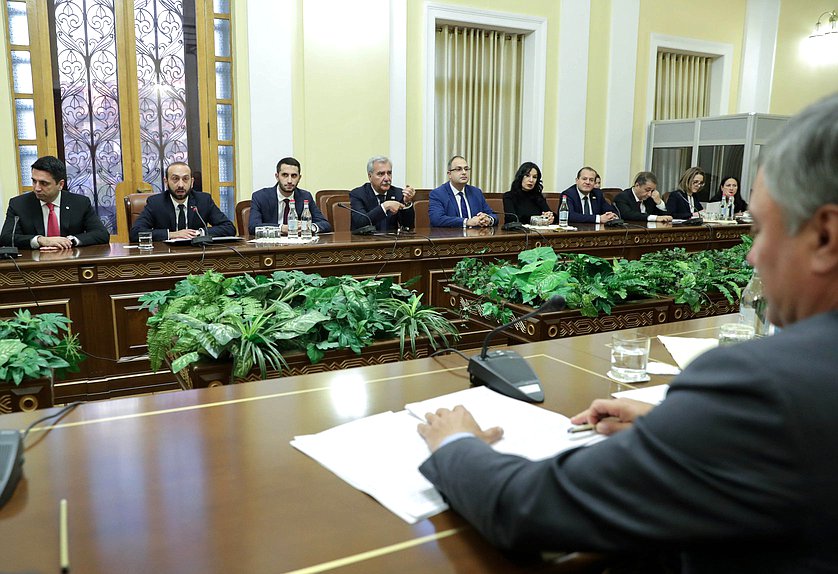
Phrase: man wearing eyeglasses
(457, 204)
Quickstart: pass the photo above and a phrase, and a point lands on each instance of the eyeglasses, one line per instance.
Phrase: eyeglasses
(699, 183)
(460, 169)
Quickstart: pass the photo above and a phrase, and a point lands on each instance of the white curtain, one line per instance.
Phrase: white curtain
(682, 86)
(479, 87)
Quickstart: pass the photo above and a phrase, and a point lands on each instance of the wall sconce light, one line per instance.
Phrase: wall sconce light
(828, 27)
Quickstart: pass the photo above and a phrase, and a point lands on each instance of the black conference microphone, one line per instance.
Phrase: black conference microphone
(504, 370)
(512, 225)
(11, 251)
(366, 229)
(616, 222)
(205, 238)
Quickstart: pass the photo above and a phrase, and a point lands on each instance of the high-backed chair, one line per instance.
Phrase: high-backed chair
(341, 219)
(420, 207)
(610, 193)
(243, 217)
(134, 206)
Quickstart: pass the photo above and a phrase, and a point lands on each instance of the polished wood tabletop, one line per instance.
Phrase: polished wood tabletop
(206, 480)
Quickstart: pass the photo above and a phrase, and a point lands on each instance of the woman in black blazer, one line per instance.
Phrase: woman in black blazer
(682, 203)
(729, 187)
(525, 199)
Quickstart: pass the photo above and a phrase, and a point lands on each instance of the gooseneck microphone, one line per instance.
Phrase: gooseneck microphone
(616, 222)
(512, 225)
(366, 229)
(11, 250)
(504, 370)
(205, 238)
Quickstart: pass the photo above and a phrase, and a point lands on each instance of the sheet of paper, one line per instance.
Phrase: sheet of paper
(685, 349)
(653, 395)
(381, 454)
(661, 368)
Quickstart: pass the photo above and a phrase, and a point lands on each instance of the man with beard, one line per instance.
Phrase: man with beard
(172, 214)
(270, 205)
(51, 218)
(457, 204)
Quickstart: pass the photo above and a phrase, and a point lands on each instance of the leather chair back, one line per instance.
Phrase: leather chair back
(134, 206)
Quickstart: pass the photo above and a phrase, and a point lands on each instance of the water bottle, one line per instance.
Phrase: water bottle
(753, 308)
(305, 221)
(723, 208)
(564, 212)
(293, 227)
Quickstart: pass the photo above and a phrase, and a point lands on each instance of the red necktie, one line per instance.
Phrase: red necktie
(52, 222)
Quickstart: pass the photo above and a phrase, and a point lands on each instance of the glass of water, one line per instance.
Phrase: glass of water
(629, 357)
(145, 240)
(261, 232)
(732, 333)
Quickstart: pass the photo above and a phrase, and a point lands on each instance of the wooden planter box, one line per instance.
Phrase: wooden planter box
(641, 313)
(32, 394)
(205, 374)
(717, 305)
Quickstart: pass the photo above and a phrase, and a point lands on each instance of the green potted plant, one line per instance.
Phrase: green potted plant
(259, 324)
(34, 350)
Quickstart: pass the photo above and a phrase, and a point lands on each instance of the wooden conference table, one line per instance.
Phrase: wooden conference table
(98, 286)
(206, 481)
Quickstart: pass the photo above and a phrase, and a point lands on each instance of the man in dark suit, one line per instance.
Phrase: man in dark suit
(49, 218)
(727, 470)
(642, 201)
(270, 205)
(457, 204)
(587, 205)
(180, 212)
(379, 203)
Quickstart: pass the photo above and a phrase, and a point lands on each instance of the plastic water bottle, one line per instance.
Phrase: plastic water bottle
(753, 307)
(564, 212)
(293, 224)
(305, 221)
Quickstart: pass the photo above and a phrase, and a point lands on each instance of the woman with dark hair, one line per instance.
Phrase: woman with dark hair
(729, 187)
(682, 203)
(525, 199)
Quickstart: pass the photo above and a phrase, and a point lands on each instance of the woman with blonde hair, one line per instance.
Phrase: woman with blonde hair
(682, 203)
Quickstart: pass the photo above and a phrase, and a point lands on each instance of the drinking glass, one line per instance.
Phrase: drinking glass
(629, 357)
(145, 240)
(732, 333)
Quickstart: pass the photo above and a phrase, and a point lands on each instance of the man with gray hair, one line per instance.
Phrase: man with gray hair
(736, 468)
(378, 203)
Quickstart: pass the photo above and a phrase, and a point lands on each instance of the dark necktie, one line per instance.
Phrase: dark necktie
(463, 204)
(640, 206)
(287, 203)
(52, 222)
(181, 217)
(586, 206)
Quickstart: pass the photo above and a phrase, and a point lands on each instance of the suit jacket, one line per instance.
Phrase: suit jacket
(599, 205)
(159, 217)
(628, 210)
(78, 219)
(678, 205)
(364, 200)
(264, 209)
(726, 470)
(443, 210)
(520, 206)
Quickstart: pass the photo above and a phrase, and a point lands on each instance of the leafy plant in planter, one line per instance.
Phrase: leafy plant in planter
(255, 319)
(37, 346)
(595, 285)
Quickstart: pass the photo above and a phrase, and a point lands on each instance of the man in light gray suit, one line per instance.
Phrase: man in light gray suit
(736, 468)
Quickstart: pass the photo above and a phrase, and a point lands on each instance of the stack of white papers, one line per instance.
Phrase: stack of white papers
(685, 349)
(381, 454)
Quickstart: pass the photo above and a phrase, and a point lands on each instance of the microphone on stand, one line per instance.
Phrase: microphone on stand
(205, 238)
(11, 251)
(504, 370)
(512, 225)
(366, 229)
(616, 222)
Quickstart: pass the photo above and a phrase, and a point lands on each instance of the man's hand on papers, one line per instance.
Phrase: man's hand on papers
(611, 416)
(446, 422)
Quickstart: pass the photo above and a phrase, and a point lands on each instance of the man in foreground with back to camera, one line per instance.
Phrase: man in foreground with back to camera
(180, 212)
(642, 201)
(379, 203)
(736, 469)
(271, 205)
(49, 217)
